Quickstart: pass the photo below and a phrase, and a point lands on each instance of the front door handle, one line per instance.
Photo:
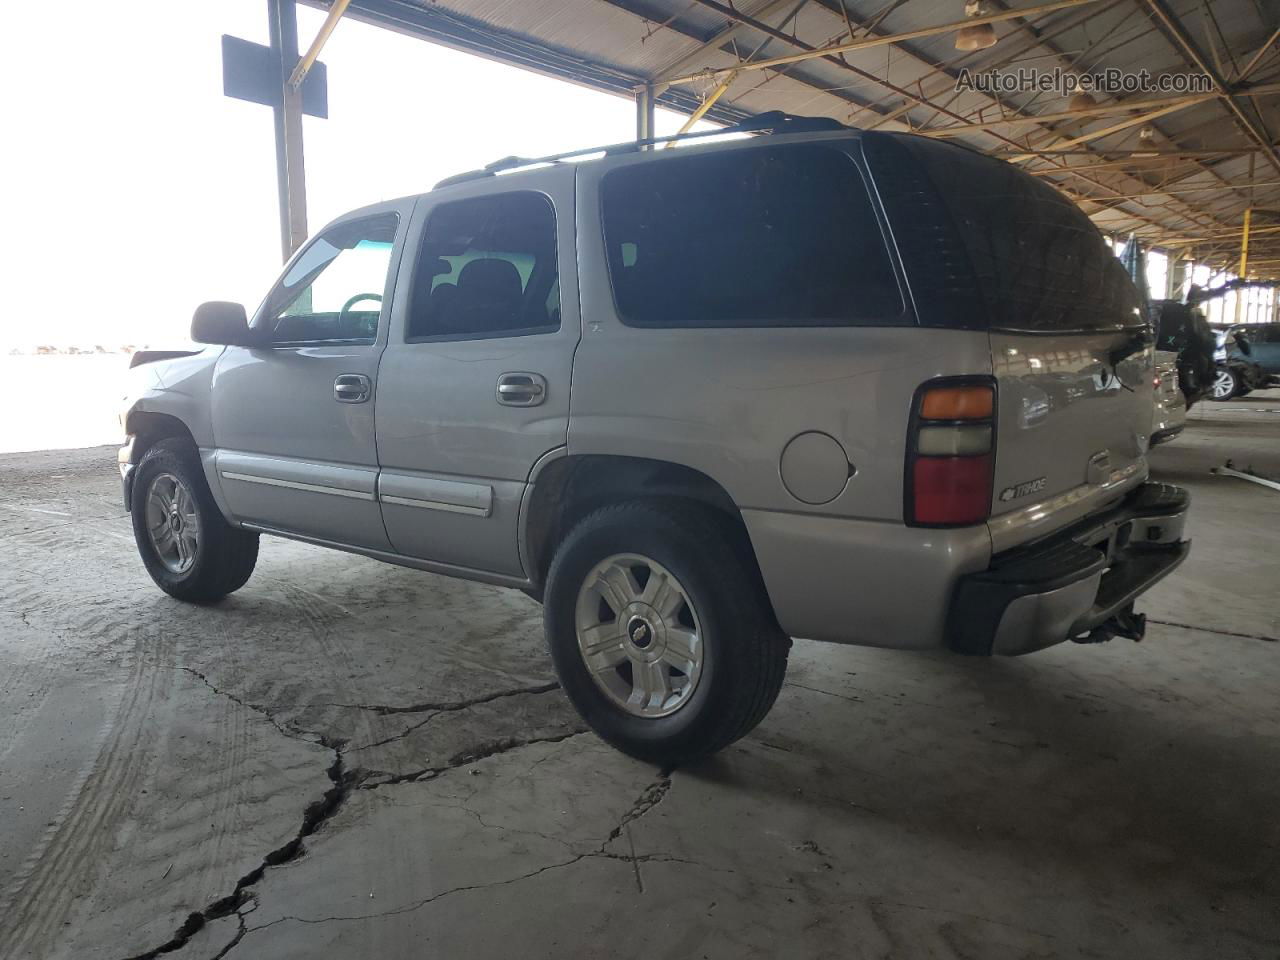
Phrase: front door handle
(521, 389)
(352, 388)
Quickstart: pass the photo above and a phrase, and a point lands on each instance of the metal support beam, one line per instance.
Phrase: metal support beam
(1083, 113)
(690, 60)
(1114, 128)
(290, 167)
(644, 112)
(879, 41)
(1005, 52)
(1132, 168)
(754, 22)
(1121, 153)
(1172, 27)
(1175, 191)
(1232, 239)
(1262, 52)
(1179, 267)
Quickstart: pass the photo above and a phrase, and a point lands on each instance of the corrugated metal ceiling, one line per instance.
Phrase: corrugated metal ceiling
(1153, 186)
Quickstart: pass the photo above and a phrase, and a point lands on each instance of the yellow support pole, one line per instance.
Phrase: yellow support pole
(313, 52)
(706, 105)
(1244, 241)
(1238, 295)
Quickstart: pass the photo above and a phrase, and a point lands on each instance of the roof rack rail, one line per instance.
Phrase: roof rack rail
(463, 177)
(771, 122)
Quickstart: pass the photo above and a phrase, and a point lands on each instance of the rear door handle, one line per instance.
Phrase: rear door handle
(521, 389)
(352, 388)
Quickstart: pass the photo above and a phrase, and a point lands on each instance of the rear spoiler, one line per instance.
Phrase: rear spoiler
(151, 356)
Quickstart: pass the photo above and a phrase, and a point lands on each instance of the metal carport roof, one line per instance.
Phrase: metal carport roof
(1178, 170)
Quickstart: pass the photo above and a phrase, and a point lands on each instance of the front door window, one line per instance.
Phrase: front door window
(332, 293)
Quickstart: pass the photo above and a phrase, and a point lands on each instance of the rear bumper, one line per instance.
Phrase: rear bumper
(873, 583)
(1073, 582)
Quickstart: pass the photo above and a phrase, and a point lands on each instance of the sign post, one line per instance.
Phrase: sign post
(261, 74)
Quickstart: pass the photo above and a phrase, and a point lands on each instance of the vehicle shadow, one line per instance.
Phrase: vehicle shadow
(1081, 767)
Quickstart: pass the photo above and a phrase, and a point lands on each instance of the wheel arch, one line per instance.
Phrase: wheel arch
(145, 429)
(569, 487)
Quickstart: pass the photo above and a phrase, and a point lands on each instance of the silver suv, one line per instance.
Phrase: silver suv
(857, 387)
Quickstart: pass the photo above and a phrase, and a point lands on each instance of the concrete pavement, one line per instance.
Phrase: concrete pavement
(355, 760)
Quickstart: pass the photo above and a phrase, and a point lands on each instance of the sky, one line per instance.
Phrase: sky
(132, 190)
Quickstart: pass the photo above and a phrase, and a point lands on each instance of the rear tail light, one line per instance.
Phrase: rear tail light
(951, 454)
(969, 402)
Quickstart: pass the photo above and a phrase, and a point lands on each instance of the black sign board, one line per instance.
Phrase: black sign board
(250, 71)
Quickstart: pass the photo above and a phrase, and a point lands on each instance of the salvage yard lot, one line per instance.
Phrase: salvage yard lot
(349, 759)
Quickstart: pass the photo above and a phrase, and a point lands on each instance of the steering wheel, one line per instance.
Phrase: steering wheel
(345, 313)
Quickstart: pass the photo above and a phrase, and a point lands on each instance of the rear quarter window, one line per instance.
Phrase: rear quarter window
(1005, 249)
(767, 237)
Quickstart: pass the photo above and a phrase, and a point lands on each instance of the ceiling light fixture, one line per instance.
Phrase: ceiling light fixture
(1080, 100)
(979, 36)
(1146, 137)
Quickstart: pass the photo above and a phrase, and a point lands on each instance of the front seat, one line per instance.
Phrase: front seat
(488, 298)
(431, 313)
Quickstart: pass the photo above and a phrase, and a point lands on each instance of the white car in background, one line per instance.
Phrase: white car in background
(1170, 408)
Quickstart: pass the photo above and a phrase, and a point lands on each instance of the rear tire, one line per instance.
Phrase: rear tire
(664, 601)
(186, 544)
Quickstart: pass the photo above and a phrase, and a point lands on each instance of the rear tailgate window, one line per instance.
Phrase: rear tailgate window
(1005, 248)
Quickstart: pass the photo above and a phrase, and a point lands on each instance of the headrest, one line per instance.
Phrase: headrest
(492, 275)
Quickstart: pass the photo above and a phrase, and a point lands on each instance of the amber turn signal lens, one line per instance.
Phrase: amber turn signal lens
(957, 403)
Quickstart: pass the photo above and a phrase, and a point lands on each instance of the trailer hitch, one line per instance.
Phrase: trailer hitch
(1125, 623)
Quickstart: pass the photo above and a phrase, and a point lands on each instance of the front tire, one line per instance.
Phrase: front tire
(187, 546)
(660, 631)
(1226, 384)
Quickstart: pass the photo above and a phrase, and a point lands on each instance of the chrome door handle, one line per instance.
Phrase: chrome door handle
(352, 388)
(521, 389)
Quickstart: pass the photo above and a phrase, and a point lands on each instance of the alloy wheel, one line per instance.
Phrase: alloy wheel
(1224, 385)
(172, 523)
(639, 635)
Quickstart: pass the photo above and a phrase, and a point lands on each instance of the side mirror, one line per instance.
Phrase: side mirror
(219, 321)
(1243, 345)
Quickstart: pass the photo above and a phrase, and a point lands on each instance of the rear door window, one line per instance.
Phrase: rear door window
(762, 237)
(487, 268)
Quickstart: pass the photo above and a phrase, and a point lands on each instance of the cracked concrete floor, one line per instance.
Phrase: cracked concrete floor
(349, 759)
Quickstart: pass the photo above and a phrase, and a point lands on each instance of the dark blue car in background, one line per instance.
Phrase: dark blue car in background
(1249, 359)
